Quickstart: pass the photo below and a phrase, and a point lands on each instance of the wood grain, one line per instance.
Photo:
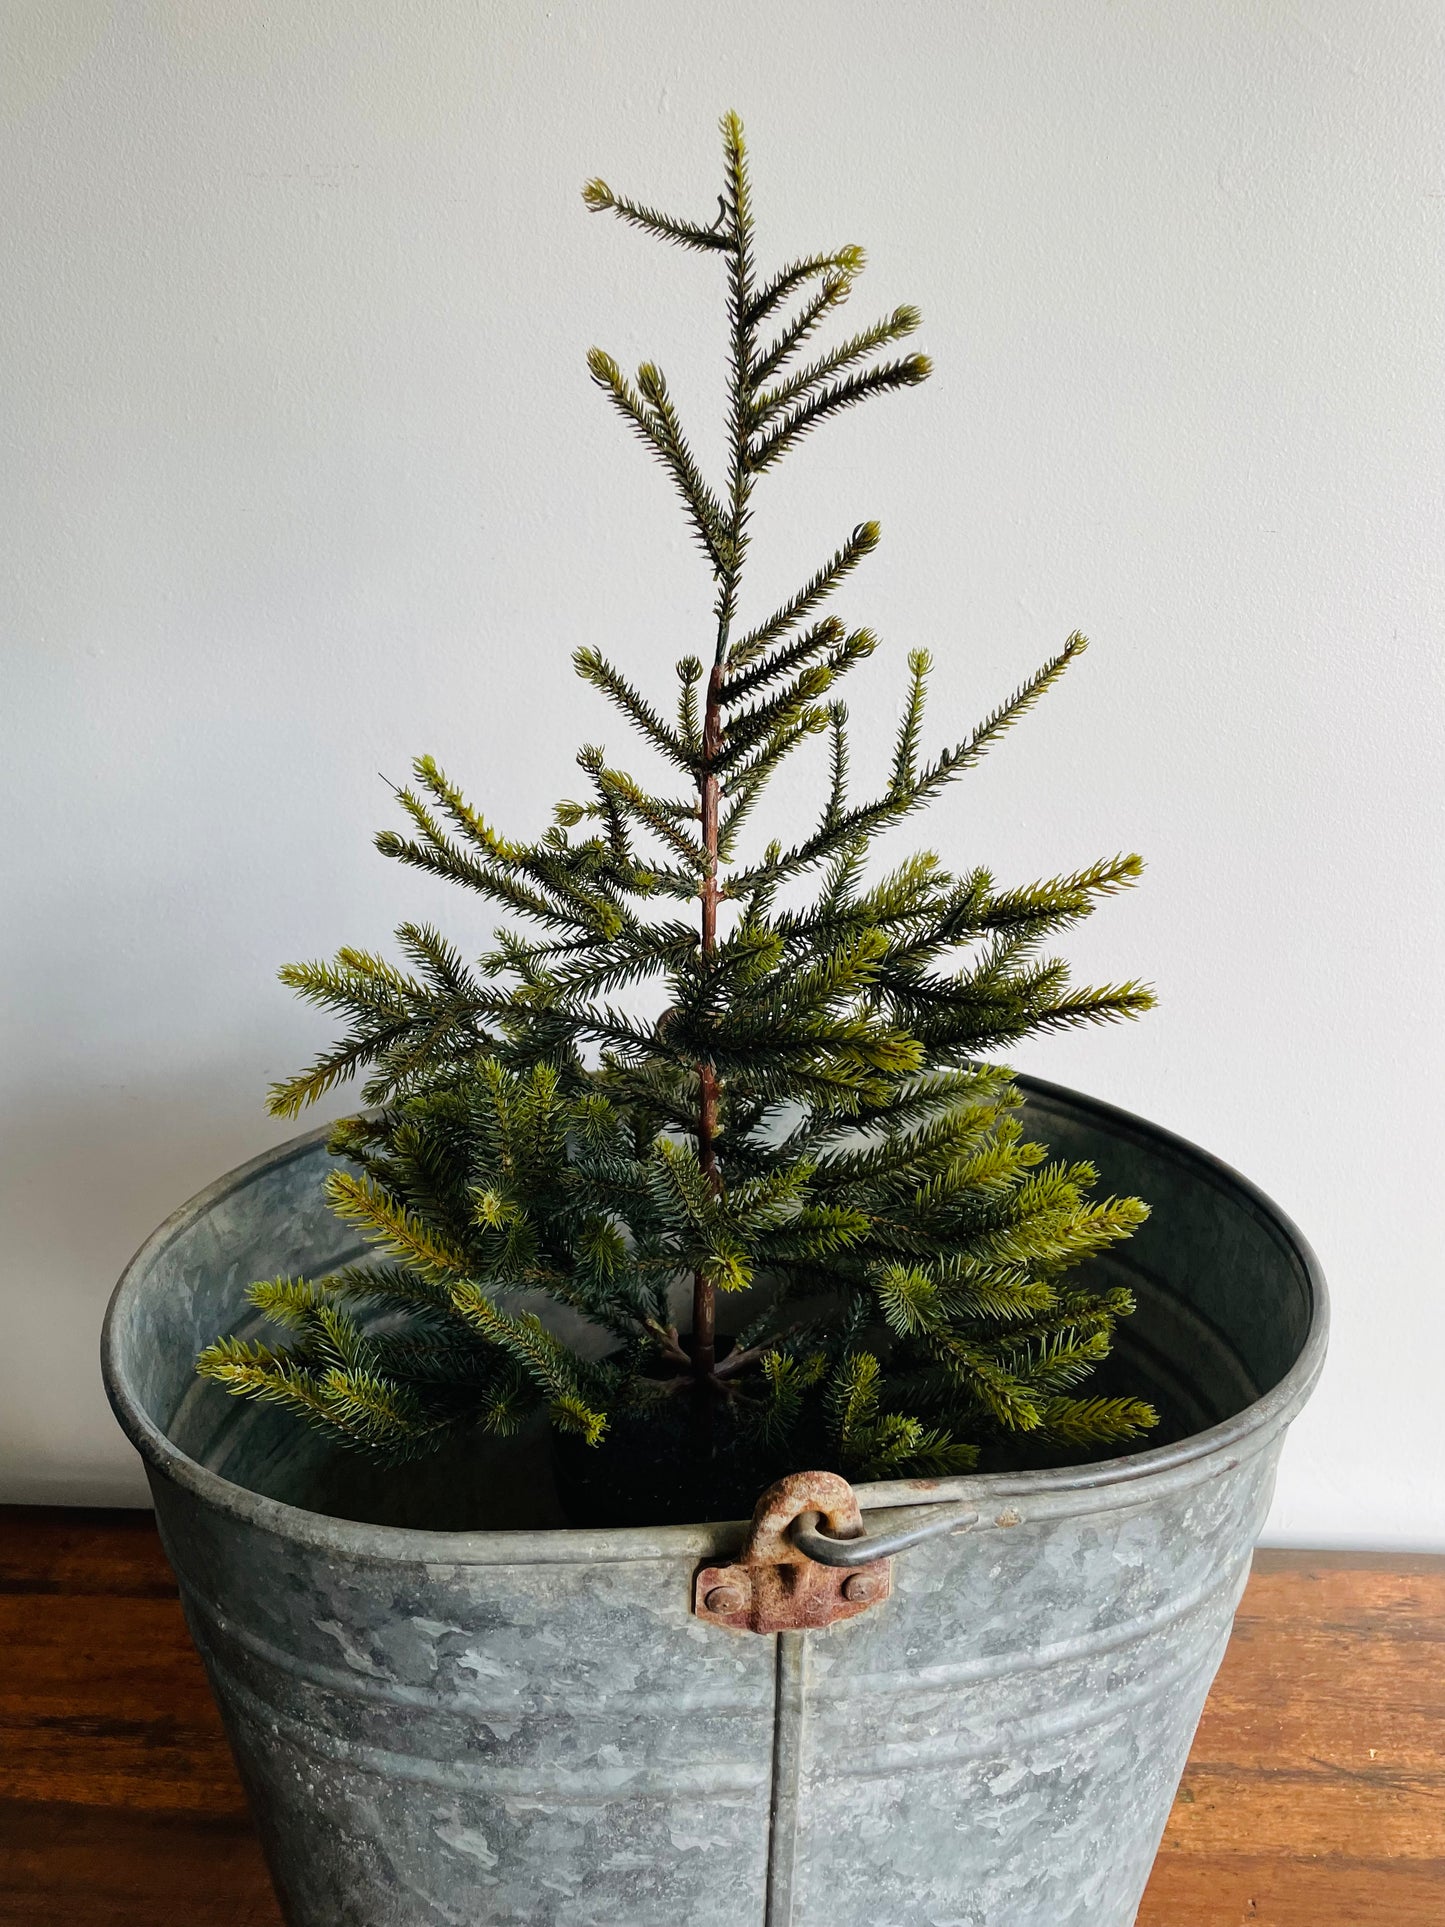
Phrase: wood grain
(65, 1866)
(1314, 1797)
(1315, 1792)
(102, 1699)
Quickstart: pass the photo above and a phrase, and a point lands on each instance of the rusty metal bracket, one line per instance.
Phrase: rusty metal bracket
(775, 1587)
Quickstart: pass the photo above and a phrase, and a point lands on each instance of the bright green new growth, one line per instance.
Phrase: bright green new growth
(808, 1121)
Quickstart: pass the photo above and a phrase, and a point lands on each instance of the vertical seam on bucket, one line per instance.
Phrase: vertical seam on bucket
(789, 1711)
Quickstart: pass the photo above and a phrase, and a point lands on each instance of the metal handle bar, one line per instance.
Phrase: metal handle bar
(821, 1546)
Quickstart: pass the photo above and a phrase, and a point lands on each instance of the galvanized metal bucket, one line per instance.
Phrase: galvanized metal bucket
(514, 1723)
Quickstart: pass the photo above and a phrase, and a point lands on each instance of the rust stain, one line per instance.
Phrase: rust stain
(775, 1588)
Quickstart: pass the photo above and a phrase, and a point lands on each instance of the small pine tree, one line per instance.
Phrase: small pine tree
(809, 1122)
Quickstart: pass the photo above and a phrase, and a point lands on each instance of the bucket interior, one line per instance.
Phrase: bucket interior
(1224, 1293)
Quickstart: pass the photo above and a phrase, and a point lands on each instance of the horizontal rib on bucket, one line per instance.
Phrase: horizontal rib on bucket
(522, 1725)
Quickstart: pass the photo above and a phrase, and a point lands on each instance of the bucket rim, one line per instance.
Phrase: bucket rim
(1002, 1499)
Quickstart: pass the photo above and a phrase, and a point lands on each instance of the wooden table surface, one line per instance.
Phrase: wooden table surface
(1315, 1795)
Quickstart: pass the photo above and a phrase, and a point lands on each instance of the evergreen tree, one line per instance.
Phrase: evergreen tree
(810, 1120)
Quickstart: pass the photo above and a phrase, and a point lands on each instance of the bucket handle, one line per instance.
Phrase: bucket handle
(861, 1549)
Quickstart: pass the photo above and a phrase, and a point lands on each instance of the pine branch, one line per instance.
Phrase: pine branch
(834, 808)
(834, 292)
(823, 636)
(746, 782)
(764, 453)
(658, 816)
(689, 721)
(869, 819)
(971, 751)
(1097, 1421)
(737, 217)
(439, 961)
(1040, 908)
(895, 327)
(861, 542)
(592, 666)
(662, 433)
(472, 826)
(904, 779)
(667, 227)
(459, 868)
(848, 261)
(1107, 1004)
(290, 1096)
(564, 1380)
(707, 514)
(745, 732)
(395, 1229)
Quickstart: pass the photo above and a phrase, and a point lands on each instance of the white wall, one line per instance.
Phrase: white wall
(303, 474)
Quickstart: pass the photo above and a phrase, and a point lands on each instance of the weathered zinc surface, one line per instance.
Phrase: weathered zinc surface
(531, 1726)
